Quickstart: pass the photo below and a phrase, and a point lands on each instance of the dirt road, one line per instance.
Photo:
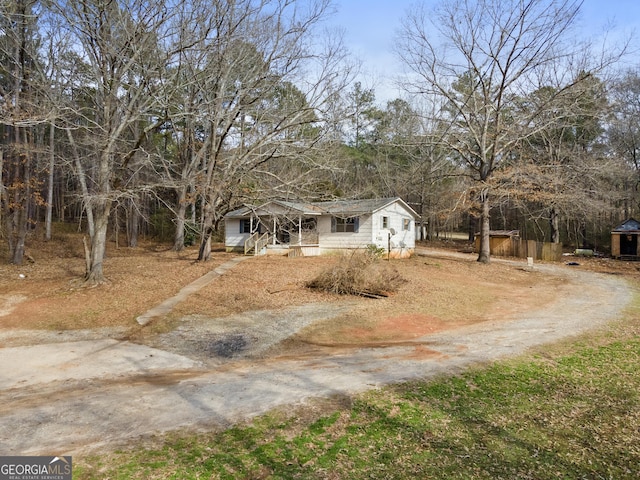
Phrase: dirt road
(87, 389)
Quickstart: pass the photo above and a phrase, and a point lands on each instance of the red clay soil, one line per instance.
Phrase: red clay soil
(394, 329)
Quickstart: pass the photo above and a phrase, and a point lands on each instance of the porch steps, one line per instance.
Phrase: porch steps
(256, 243)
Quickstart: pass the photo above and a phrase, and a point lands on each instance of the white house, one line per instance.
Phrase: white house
(315, 228)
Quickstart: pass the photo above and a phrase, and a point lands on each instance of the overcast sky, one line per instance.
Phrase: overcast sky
(370, 26)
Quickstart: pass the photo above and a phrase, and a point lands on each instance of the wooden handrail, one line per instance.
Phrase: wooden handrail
(262, 242)
(255, 243)
(250, 242)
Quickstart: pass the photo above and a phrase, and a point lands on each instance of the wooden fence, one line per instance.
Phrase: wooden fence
(538, 250)
(516, 247)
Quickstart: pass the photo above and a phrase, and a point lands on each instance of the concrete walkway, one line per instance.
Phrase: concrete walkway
(166, 306)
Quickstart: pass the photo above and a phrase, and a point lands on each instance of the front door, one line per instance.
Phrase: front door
(628, 244)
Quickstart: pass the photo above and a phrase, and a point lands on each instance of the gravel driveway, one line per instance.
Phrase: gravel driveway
(89, 389)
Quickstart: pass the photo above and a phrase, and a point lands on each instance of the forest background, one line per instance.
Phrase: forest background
(156, 118)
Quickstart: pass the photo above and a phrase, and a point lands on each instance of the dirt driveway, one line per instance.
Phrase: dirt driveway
(87, 389)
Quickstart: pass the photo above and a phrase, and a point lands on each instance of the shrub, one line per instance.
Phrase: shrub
(359, 273)
(376, 251)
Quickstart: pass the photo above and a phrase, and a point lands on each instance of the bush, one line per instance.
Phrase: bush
(376, 251)
(359, 273)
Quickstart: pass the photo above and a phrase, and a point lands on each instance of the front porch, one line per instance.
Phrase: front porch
(266, 244)
(276, 234)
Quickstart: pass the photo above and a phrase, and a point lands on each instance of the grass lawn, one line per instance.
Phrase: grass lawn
(569, 411)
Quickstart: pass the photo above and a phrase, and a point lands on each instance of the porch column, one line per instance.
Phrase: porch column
(300, 230)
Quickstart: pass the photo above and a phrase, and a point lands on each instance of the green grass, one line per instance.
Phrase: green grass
(569, 412)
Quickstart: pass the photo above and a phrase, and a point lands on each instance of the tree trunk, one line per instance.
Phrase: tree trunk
(3, 198)
(95, 274)
(116, 227)
(20, 227)
(484, 255)
(554, 226)
(52, 163)
(22, 197)
(20, 181)
(133, 223)
(178, 239)
(431, 227)
(471, 228)
(82, 179)
(100, 206)
(204, 252)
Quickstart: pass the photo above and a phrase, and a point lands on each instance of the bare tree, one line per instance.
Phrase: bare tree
(624, 136)
(21, 114)
(53, 49)
(253, 99)
(413, 164)
(565, 159)
(126, 49)
(482, 57)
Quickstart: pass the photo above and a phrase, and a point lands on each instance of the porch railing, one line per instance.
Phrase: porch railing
(261, 243)
(250, 242)
(255, 243)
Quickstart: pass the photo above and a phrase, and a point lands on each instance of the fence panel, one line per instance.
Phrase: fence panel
(552, 252)
(517, 247)
(539, 250)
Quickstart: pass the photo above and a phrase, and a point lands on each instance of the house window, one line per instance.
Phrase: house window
(342, 225)
(245, 225)
(385, 223)
(406, 224)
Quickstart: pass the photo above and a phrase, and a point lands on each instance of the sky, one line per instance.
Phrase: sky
(370, 26)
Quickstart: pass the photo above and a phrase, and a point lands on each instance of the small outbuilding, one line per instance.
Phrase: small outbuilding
(315, 228)
(503, 243)
(624, 240)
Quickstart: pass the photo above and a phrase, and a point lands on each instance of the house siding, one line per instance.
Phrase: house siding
(233, 239)
(370, 232)
(403, 239)
(329, 240)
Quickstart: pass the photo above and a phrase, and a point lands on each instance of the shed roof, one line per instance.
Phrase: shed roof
(630, 225)
(501, 233)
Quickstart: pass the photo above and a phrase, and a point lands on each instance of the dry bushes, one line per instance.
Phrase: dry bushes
(359, 273)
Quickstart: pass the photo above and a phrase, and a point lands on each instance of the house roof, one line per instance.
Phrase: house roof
(630, 225)
(300, 207)
(275, 206)
(239, 212)
(335, 207)
(360, 207)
